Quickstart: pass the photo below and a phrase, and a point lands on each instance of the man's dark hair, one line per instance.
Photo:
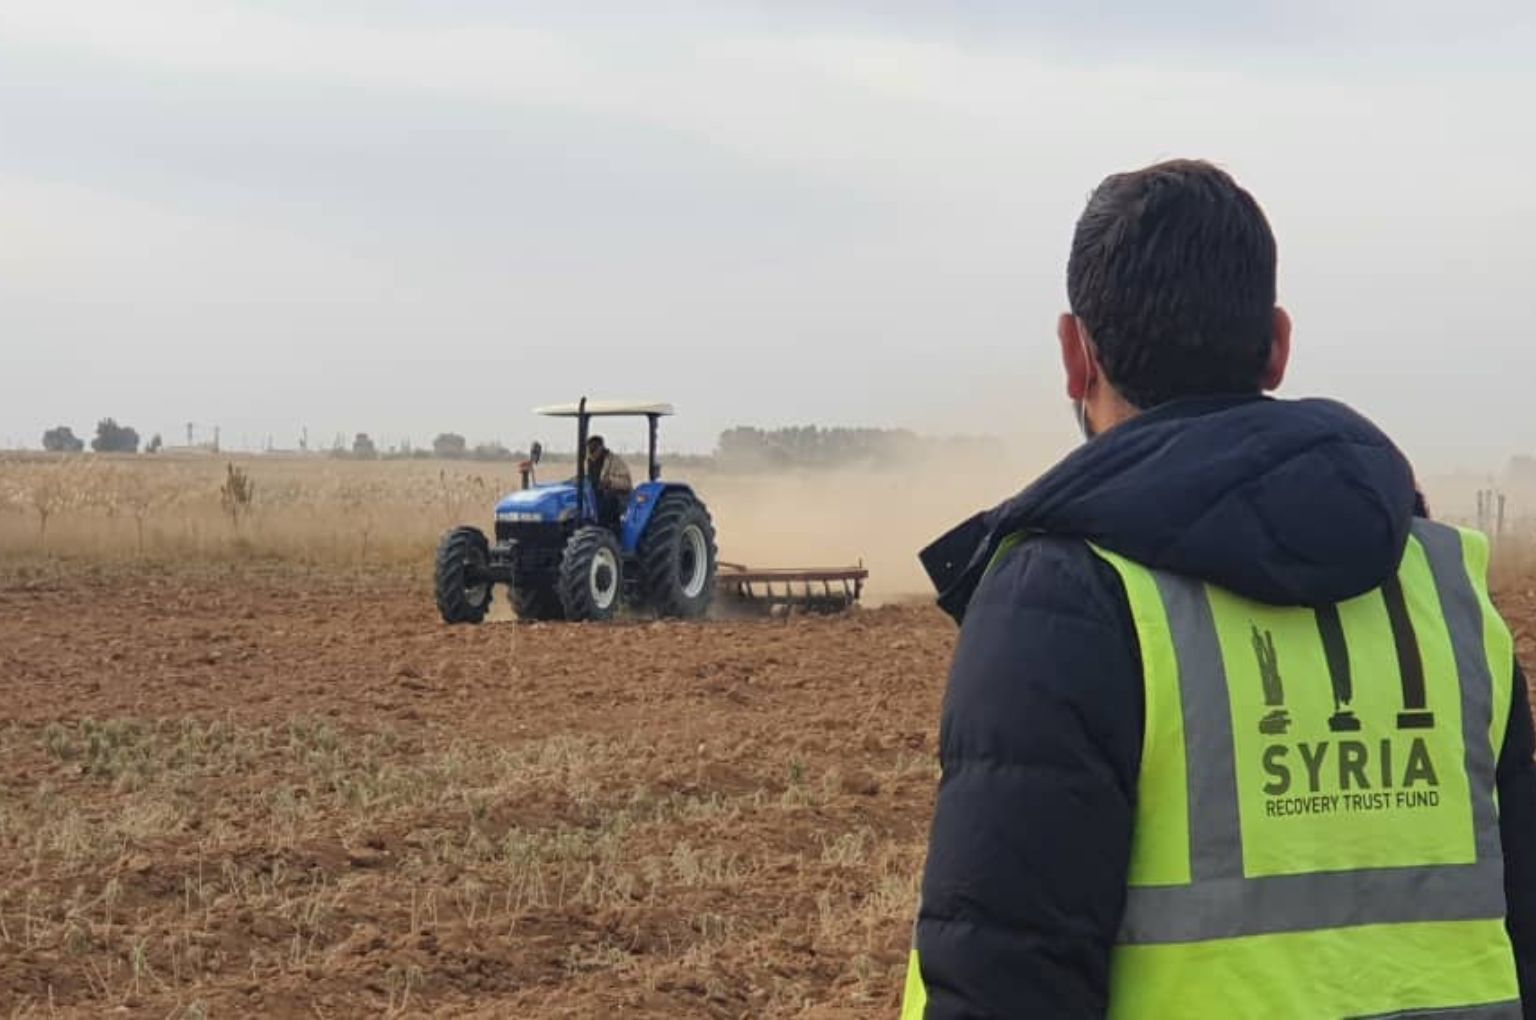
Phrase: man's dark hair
(1173, 272)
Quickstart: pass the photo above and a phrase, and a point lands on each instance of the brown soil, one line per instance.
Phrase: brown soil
(306, 796)
(294, 795)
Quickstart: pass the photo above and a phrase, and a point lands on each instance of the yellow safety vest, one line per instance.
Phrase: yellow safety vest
(1316, 830)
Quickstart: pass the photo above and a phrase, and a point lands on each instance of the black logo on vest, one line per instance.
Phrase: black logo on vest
(1276, 720)
(1410, 666)
(1336, 651)
(1348, 774)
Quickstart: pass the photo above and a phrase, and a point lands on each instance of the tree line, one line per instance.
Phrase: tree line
(452, 446)
(740, 447)
(110, 438)
(446, 446)
(814, 446)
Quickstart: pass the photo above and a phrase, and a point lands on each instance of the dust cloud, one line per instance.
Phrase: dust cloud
(881, 516)
(885, 515)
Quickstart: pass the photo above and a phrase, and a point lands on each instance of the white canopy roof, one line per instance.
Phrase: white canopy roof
(605, 409)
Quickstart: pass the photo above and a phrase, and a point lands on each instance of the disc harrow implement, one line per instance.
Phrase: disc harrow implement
(790, 589)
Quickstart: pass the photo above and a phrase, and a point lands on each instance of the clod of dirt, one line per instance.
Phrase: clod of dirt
(365, 857)
(861, 784)
(365, 939)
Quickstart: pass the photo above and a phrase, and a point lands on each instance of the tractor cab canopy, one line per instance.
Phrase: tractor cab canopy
(584, 410)
(606, 409)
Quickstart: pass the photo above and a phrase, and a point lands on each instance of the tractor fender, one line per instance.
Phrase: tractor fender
(642, 503)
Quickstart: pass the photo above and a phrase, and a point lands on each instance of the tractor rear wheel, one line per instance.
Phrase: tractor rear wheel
(677, 557)
(591, 575)
(534, 604)
(459, 598)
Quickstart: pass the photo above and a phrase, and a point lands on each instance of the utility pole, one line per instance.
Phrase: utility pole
(1491, 505)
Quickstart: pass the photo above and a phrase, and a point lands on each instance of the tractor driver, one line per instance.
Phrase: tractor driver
(610, 480)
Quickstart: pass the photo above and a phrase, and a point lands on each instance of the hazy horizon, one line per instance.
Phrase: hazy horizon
(400, 219)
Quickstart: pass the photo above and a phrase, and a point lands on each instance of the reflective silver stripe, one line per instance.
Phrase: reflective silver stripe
(1235, 907)
(1219, 902)
(1463, 610)
(1215, 831)
(1484, 1011)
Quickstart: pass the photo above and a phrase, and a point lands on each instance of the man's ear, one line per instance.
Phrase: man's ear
(1279, 351)
(1075, 360)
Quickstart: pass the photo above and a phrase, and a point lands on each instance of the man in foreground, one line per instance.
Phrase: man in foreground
(1230, 731)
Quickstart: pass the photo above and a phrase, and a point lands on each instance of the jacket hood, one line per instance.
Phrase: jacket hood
(1284, 502)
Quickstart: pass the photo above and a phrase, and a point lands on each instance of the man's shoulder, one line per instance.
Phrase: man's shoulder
(1048, 572)
(1047, 645)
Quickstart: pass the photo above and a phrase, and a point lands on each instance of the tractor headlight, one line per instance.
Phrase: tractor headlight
(520, 516)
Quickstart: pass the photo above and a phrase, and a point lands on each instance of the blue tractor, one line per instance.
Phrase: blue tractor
(562, 560)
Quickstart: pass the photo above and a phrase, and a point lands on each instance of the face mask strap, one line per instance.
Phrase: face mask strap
(1080, 409)
(1080, 412)
(1080, 406)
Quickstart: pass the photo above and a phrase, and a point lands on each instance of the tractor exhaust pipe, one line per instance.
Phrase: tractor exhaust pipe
(581, 462)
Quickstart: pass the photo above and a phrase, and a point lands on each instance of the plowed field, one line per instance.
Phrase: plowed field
(291, 795)
(296, 796)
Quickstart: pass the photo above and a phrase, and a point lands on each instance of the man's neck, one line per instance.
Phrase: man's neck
(1109, 409)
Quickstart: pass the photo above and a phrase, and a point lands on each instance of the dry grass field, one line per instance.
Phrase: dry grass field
(310, 511)
(364, 516)
(244, 769)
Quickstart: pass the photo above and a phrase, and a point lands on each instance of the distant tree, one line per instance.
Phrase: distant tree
(114, 438)
(142, 498)
(237, 494)
(491, 451)
(62, 440)
(154, 444)
(363, 448)
(449, 444)
(56, 489)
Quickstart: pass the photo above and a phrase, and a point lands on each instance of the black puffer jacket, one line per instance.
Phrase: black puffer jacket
(1289, 503)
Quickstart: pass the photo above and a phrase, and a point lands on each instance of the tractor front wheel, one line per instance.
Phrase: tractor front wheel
(461, 597)
(677, 557)
(591, 575)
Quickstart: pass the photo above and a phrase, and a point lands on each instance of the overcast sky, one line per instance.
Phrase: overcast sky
(404, 217)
